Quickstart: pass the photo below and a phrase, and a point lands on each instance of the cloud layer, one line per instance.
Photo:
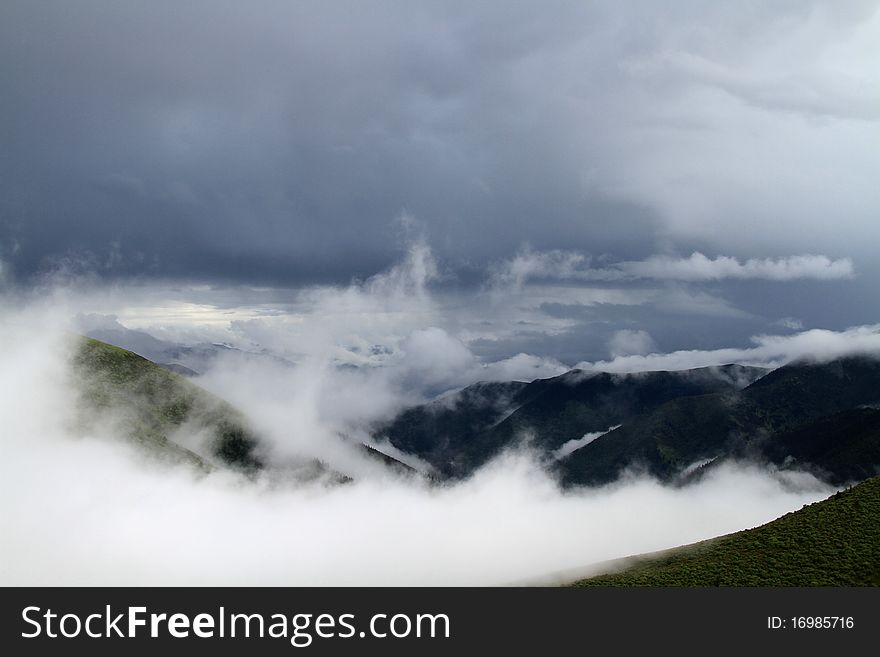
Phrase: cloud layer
(425, 339)
(815, 345)
(83, 507)
(277, 143)
(698, 267)
(569, 265)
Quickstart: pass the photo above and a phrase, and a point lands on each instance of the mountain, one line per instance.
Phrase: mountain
(835, 542)
(840, 448)
(590, 427)
(159, 409)
(177, 368)
(460, 432)
(766, 420)
(189, 360)
(150, 403)
(587, 427)
(446, 433)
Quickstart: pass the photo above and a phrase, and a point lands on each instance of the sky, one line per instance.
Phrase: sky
(621, 177)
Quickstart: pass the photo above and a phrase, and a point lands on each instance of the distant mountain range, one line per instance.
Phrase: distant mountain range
(462, 431)
(587, 427)
(590, 427)
(786, 417)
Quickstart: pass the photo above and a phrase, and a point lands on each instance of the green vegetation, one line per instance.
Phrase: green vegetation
(150, 403)
(841, 448)
(835, 542)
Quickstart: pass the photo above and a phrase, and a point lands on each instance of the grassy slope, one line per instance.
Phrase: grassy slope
(835, 542)
(149, 403)
(152, 403)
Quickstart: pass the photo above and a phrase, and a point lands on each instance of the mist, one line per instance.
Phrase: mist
(84, 506)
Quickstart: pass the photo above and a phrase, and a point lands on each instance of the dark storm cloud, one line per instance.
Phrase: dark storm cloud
(278, 142)
(282, 140)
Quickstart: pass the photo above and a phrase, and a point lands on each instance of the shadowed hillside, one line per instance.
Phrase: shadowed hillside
(769, 420)
(461, 432)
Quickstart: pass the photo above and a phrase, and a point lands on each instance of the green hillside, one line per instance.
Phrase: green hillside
(149, 403)
(841, 448)
(835, 542)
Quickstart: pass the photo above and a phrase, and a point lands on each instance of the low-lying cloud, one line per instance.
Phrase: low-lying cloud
(572, 445)
(815, 345)
(626, 342)
(698, 267)
(82, 506)
(529, 264)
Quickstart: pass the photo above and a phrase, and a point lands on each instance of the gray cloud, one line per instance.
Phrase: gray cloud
(251, 155)
(626, 342)
(277, 142)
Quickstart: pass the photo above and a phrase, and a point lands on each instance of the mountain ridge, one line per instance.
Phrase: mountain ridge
(744, 423)
(465, 430)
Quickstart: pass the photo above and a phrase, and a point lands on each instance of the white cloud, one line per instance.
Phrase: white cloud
(576, 443)
(790, 323)
(108, 517)
(698, 268)
(770, 350)
(753, 126)
(522, 367)
(410, 277)
(432, 356)
(627, 342)
(529, 264)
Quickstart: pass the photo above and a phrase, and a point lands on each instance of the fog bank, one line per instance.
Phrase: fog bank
(87, 508)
